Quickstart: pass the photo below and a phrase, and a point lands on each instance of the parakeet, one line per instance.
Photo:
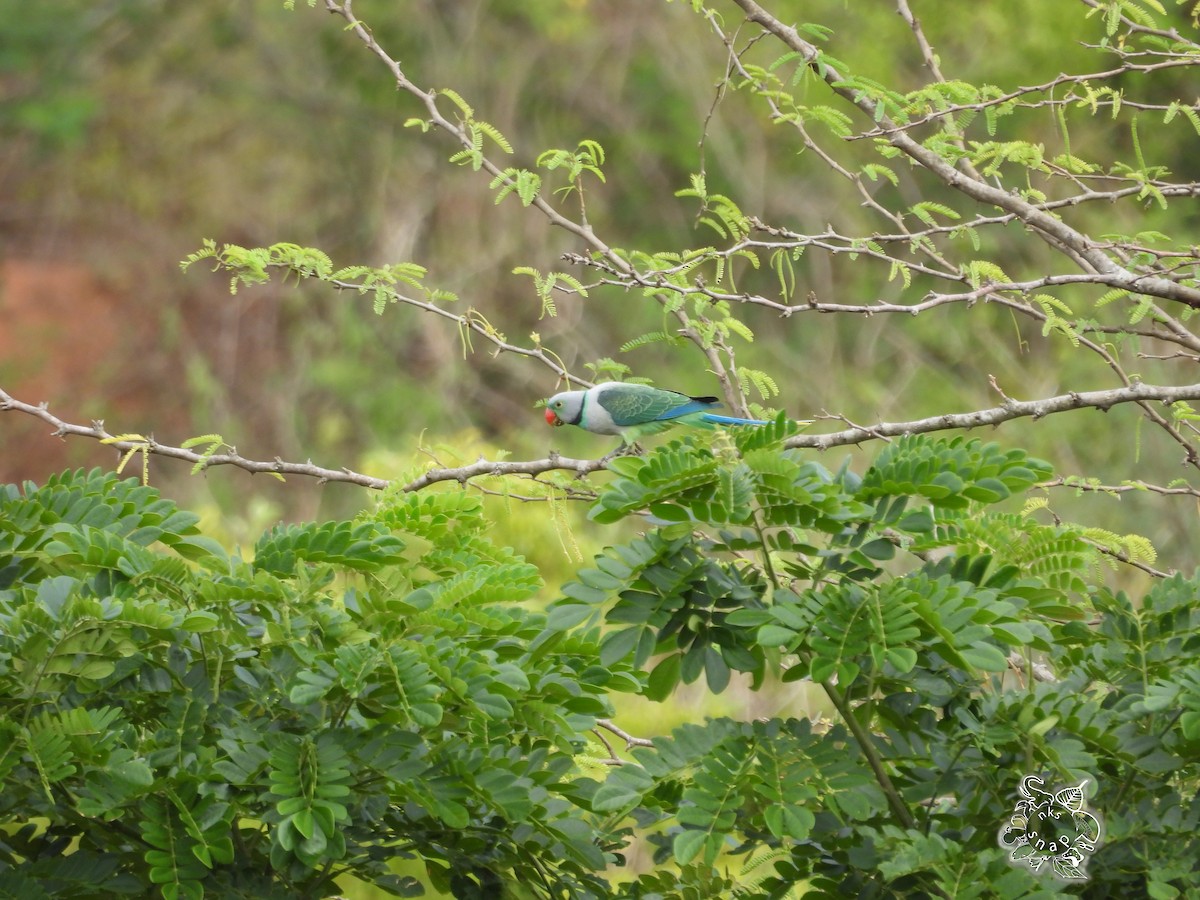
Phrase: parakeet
(634, 410)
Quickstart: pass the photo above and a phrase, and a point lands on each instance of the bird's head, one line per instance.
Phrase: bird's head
(564, 408)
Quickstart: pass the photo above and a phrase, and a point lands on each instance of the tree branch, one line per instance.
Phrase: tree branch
(1010, 409)
(629, 739)
(429, 100)
(1055, 231)
(726, 374)
(277, 466)
(1087, 485)
(1137, 392)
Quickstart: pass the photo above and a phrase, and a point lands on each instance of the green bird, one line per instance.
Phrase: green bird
(633, 411)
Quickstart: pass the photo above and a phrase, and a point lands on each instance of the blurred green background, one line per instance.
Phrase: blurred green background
(131, 130)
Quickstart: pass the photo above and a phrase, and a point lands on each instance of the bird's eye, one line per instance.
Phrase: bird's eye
(558, 404)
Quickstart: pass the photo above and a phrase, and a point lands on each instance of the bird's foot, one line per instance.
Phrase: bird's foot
(623, 450)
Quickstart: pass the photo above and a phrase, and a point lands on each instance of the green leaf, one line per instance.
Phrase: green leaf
(776, 636)
(201, 621)
(688, 844)
(617, 645)
(563, 616)
(623, 789)
(985, 656)
(904, 659)
(664, 678)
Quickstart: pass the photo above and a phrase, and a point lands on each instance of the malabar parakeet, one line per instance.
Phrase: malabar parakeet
(633, 411)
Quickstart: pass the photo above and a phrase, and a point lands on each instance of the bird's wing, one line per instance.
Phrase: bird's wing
(638, 404)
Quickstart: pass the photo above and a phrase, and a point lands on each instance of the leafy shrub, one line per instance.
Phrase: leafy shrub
(371, 691)
(173, 715)
(961, 647)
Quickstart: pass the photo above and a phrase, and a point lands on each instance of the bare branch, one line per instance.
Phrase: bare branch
(1136, 392)
(277, 466)
(429, 100)
(1055, 231)
(531, 468)
(1038, 671)
(1089, 486)
(629, 739)
(96, 431)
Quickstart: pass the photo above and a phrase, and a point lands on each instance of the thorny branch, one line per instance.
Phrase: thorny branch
(1101, 262)
(603, 725)
(724, 371)
(1055, 231)
(1008, 410)
(1105, 264)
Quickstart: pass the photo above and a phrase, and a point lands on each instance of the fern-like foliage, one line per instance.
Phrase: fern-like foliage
(364, 547)
(180, 722)
(940, 626)
(251, 266)
(951, 473)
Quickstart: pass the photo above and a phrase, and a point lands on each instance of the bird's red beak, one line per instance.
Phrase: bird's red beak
(551, 418)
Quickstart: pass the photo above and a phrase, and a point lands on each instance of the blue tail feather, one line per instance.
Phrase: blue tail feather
(731, 420)
(696, 404)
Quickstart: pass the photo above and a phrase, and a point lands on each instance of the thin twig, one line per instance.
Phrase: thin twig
(629, 739)
(1080, 484)
(1136, 392)
(1057, 232)
(1123, 556)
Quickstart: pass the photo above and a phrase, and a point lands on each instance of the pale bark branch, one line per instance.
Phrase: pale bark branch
(429, 101)
(1009, 410)
(1128, 487)
(725, 371)
(1053, 230)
